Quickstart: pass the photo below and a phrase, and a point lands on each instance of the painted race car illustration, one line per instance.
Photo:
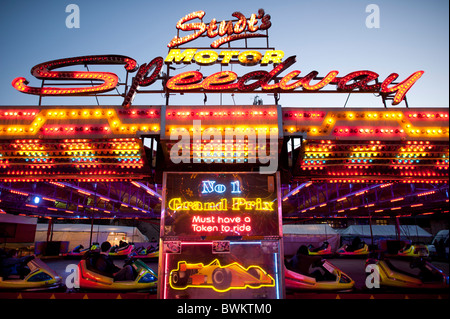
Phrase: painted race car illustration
(218, 277)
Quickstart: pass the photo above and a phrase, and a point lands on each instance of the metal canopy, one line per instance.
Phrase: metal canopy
(81, 199)
(94, 162)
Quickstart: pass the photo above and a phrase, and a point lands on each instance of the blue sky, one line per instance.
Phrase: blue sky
(324, 35)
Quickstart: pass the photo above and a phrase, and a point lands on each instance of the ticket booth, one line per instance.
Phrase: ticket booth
(221, 236)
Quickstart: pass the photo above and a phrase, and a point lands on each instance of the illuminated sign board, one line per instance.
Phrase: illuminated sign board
(221, 205)
(242, 29)
(220, 236)
(221, 269)
(221, 82)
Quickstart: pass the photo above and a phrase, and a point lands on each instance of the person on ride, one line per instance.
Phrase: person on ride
(105, 265)
(123, 244)
(356, 244)
(78, 248)
(302, 261)
(12, 264)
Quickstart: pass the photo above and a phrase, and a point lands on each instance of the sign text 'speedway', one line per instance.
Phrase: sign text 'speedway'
(220, 82)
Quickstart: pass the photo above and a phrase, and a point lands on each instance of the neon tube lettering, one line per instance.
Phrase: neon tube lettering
(236, 187)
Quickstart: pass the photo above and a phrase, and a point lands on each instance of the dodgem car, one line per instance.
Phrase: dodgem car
(356, 248)
(91, 278)
(220, 278)
(331, 278)
(350, 250)
(121, 251)
(36, 275)
(428, 276)
(417, 250)
(144, 253)
(80, 250)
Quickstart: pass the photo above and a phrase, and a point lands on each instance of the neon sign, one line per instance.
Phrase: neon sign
(209, 187)
(221, 224)
(194, 81)
(226, 29)
(208, 57)
(238, 203)
(228, 81)
(44, 71)
(225, 81)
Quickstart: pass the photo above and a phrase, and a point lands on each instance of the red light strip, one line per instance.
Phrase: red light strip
(19, 193)
(427, 116)
(426, 193)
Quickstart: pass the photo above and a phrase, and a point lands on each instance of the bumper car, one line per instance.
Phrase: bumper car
(417, 250)
(144, 253)
(324, 249)
(35, 275)
(91, 279)
(350, 250)
(121, 251)
(427, 277)
(331, 278)
(80, 250)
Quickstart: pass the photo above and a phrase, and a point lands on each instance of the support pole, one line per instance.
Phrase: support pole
(397, 227)
(370, 222)
(92, 227)
(49, 230)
